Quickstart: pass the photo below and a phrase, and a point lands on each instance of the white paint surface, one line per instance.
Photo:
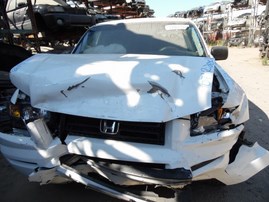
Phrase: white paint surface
(117, 86)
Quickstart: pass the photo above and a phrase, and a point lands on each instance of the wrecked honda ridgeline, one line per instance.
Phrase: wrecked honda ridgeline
(138, 102)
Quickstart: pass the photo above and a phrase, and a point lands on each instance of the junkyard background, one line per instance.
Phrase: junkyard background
(244, 64)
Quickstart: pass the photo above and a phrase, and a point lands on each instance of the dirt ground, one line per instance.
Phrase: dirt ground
(246, 68)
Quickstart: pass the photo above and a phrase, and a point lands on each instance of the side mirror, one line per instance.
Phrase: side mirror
(219, 52)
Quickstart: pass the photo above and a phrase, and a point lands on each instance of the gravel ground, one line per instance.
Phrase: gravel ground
(246, 68)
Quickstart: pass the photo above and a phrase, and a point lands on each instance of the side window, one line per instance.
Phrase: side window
(11, 5)
(197, 42)
(21, 3)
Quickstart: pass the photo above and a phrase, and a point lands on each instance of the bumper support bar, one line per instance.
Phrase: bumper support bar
(98, 185)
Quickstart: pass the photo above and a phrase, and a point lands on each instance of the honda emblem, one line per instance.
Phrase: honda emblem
(109, 127)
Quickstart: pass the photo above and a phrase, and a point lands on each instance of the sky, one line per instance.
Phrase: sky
(164, 8)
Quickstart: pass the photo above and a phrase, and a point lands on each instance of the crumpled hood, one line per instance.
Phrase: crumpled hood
(129, 87)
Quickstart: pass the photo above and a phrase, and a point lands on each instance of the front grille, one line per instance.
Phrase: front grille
(140, 132)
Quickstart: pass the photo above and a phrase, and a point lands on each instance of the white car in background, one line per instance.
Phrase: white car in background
(217, 7)
(138, 102)
(136, 1)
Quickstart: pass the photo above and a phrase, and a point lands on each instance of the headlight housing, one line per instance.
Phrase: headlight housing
(217, 121)
(22, 112)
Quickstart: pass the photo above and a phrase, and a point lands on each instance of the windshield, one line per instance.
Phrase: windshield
(50, 2)
(160, 38)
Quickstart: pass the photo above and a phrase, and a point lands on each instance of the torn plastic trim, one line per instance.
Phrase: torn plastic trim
(135, 175)
(216, 166)
(39, 148)
(248, 162)
(47, 176)
(40, 133)
(97, 185)
(124, 173)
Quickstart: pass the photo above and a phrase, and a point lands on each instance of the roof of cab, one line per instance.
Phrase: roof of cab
(146, 20)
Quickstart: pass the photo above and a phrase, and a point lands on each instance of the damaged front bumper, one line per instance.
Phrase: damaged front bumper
(174, 164)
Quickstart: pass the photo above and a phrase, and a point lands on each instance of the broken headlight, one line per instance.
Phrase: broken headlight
(22, 112)
(213, 119)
